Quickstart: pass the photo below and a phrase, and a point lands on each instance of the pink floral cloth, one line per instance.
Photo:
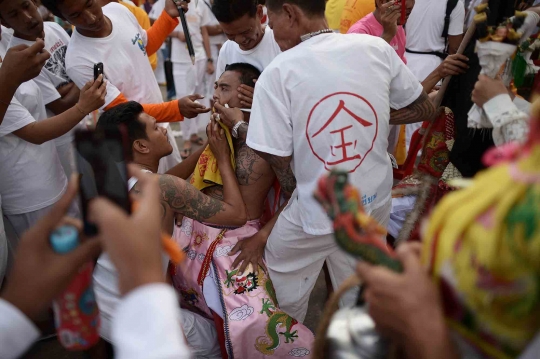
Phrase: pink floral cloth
(254, 325)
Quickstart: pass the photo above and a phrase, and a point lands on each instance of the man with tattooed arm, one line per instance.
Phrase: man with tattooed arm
(305, 125)
(149, 143)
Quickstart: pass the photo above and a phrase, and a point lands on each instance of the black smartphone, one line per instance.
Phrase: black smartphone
(98, 70)
(101, 162)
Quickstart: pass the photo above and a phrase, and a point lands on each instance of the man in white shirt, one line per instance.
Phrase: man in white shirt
(58, 91)
(337, 119)
(249, 40)
(189, 78)
(111, 35)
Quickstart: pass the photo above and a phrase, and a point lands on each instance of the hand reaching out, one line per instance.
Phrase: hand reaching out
(189, 108)
(23, 63)
(453, 65)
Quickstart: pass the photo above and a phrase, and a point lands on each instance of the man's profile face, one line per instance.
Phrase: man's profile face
(245, 31)
(23, 17)
(83, 14)
(226, 89)
(157, 139)
(285, 35)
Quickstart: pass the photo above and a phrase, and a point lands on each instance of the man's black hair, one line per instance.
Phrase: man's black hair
(52, 6)
(311, 7)
(128, 114)
(248, 73)
(228, 11)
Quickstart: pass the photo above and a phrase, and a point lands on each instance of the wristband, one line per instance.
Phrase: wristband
(236, 127)
(80, 109)
(210, 60)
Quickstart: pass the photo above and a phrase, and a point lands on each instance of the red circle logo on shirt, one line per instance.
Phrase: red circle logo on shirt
(341, 130)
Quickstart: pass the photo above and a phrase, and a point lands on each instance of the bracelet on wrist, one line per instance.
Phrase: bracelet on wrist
(210, 60)
(80, 109)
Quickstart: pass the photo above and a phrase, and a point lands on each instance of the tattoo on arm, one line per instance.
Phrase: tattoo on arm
(420, 110)
(185, 199)
(242, 132)
(283, 171)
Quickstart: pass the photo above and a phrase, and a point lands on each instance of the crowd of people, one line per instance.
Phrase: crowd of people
(285, 91)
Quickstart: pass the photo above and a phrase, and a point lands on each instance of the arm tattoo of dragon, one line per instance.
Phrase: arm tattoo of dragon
(283, 171)
(185, 199)
(420, 110)
(246, 161)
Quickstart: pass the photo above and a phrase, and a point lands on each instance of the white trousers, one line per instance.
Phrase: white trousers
(190, 80)
(295, 259)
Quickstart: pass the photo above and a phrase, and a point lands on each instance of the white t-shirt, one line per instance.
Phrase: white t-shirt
(260, 56)
(197, 17)
(424, 29)
(329, 108)
(31, 176)
(53, 75)
(216, 39)
(124, 58)
(157, 9)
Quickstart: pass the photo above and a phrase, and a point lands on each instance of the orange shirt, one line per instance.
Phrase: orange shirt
(334, 8)
(353, 11)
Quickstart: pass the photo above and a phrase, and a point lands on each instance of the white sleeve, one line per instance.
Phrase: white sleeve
(83, 74)
(206, 18)
(48, 90)
(146, 325)
(532, 350)
(16, 117)
(457, 19)
(270, 124)
(17, 332)
(157, 9)
(404, 86)
(221, 61)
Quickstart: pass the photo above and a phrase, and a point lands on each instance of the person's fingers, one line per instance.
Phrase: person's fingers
(458, 63)
(409, 257)
(203, 109)
(385, 6)
(106, 215)
(246, 90)
(195, 97)
(50, 221)
(85, 252)
(36, 47)
(244, 265)
(97, 83)
(236, 248)
(460, 57)
(246, 104)
(219, 107)
(262, 265)
(73, 222)
(364, 270)
(149, 211)
(87, 86)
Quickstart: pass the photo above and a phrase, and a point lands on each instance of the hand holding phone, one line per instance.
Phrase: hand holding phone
(98, 70)
(101, 164)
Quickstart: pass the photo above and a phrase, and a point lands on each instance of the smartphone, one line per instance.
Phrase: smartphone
(98, 70)
(101, 163)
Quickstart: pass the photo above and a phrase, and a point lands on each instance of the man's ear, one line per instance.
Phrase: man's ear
(292, 12)
(260, 11)
(139, 146)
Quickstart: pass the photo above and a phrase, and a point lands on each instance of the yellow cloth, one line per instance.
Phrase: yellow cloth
(482, 247)
(353, 11)
(401, 147)
(334, 9)
(207, 173)
(144, 21)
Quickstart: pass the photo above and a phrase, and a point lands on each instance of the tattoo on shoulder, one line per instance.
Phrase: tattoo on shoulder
(185, 199)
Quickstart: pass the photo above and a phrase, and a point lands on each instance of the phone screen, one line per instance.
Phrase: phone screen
(101, 164)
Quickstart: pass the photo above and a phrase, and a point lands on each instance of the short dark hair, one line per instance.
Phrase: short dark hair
(51, 5)
(127, 114)
(248, 72)
(228, 11)
(311, 7)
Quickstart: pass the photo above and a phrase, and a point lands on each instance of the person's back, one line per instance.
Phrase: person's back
(424, 34)
(348, 120)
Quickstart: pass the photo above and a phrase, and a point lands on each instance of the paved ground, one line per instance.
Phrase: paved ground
(51, 349)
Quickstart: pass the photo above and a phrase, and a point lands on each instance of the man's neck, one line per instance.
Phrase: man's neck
(104, 32)
(29, 38)
(314, 25)
(148, 165)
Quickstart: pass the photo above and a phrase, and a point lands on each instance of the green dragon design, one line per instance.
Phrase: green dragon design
(277, 319)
